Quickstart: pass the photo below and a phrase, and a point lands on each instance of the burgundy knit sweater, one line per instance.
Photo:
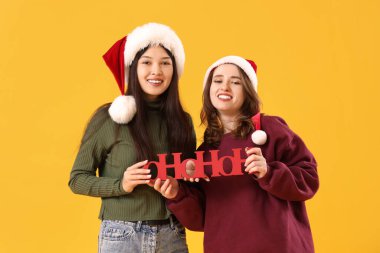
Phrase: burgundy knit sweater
(240, 214)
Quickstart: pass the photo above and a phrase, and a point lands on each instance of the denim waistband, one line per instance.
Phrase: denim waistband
(151, 223)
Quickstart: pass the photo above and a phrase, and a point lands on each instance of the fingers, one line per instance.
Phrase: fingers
(190, 164)
(168, 190)
(173, 181)
(161, 185)
(255, 163)
(252, 158)
(207, 179)
(134, 177)
(258, 164)
(190, 168)
(137, 182)
(157, 185)
(191, 179)
(190, 171)
(136, 174)
(258, 171)
(252, 169)
(164, 187)
(138, 165)
(256, 151)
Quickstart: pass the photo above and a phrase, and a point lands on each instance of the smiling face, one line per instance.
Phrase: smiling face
(226, 90)
(155, 72)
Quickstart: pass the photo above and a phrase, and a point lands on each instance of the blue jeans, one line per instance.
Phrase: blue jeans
(123, 236)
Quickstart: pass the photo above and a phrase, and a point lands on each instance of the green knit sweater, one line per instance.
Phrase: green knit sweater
(100, 152)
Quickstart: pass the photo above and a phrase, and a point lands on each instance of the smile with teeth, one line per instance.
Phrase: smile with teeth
(154, 82)
(224, 97)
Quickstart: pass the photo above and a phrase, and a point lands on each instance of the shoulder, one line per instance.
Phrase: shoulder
(276, 127)
(101, 118)
(270, 120)
(100, 124)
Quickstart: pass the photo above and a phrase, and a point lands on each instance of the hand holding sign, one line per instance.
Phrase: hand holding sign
(135, 175)
(168, 188)
(255, 163)
(190, 170)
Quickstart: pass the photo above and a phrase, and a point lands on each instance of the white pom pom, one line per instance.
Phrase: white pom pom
(259, 137)
(123, 109)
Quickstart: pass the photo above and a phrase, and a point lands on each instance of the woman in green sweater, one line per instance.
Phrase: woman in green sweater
(147, 119)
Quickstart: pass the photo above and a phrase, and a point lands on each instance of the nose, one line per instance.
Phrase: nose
(224, 85)
(156, 69)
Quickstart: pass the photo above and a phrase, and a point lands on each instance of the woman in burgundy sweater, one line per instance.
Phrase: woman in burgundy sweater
(262, 210)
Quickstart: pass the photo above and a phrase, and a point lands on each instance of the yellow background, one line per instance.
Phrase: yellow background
(317, 68)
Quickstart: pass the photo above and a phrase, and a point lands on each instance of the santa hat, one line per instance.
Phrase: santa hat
(248, 66)
(120, 56)
(259, 137)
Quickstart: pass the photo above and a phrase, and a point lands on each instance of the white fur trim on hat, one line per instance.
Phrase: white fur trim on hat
(153, 34)
(237, 60)
(123, 109)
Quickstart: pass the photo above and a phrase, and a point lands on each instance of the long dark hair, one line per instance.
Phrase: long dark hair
(179, 129)
(210, 118)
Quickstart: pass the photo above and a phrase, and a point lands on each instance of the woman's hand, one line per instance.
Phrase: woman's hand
(135, 175)
(255, 163)
(190, 170)
(168, 188)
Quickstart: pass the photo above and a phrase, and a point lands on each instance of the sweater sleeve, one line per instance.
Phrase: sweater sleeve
(292, 175)
(91, 156)
(188, 206)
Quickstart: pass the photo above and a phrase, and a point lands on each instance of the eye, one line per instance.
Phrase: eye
(217, 81)
(236, 82)
(166, 63)
(145, 62)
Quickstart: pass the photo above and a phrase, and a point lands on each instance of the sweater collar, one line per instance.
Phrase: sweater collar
(155, 105)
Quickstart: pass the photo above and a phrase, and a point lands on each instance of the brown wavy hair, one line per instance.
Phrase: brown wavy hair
(210, 117)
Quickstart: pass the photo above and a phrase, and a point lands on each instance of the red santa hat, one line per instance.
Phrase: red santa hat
(259, 137)
(120, 56)
(248, 66)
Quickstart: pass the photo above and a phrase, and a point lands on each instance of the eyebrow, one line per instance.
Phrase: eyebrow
(238, 77)
(163, 58)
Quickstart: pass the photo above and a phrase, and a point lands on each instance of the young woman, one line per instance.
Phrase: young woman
(262, 210)
(122, 136)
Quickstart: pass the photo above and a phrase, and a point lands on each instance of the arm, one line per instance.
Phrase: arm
(292, 175)
(188, 206)
(91, 156)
